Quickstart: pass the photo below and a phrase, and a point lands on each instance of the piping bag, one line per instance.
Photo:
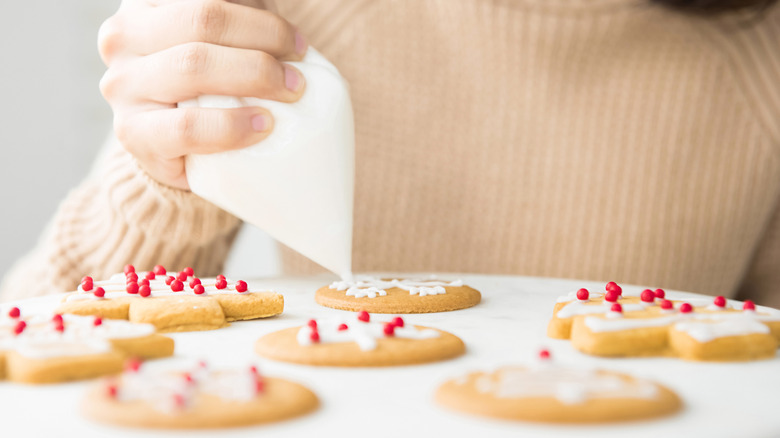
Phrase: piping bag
(298, 183)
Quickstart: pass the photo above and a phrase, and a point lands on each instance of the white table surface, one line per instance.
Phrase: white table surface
(508, 327)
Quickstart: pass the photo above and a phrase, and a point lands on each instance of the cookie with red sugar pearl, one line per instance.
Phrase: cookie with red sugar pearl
(90, 346)
(173, 305)
(361, 340)
(494, 394)
(396, 296)
(139, 404)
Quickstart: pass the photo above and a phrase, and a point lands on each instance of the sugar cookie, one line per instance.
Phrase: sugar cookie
(195, 397)
(547, 392)
(359, 340)
(172, 303)
(398, 296)
(653, 324)
(58, 348)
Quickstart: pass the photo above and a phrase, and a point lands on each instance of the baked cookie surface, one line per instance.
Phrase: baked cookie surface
(194, 397)
(398, 295)
(551, 393)
(612, 324)
(172, 303)
(360, 340)
(58, 348)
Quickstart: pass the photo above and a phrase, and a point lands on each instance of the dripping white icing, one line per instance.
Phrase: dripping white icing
(568, 385)
(365, 334)
(373, 287)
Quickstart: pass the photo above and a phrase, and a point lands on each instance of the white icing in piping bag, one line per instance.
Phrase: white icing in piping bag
(298, 183)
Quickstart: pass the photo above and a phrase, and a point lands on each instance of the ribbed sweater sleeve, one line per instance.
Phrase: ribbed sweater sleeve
(119, 215)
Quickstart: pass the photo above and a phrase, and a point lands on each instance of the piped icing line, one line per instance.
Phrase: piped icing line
(46, 336)
(373, 287)
(361, 328)
(155, 283)
(570, 386)
(174, 390)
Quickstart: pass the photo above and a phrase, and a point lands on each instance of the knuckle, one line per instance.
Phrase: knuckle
(109, 84)
(209, 19)
(280, 32)
(123, 131)
(192, 59)
(268, 71)
(110, 38)
(185, 127)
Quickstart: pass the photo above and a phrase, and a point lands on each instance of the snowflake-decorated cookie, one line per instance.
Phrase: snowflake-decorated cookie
(171, 302)
(398, 295)
(360, 340)
(654, 323)
(549, 392)
(58, 348)
(195, 396)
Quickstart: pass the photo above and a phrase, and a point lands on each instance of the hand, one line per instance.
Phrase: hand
(161, 52)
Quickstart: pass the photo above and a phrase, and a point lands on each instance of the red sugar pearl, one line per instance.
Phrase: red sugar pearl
(189, 271)
(131, 277)
(60, 327)
(611, 296)
(647, 296)
(659, 293)
(188, 378)
(132, 288)
(14, 312)
(19, 327)
(363, 316)
(719, 301)
(144, 291)
(57, 319)
(259, 385)
(150, 275)
(99, 292)
(144, 282)
(86, 278)
(253, 369)
(177, 286)
(179, 400)
(583, 294)
(616, 308)
(112, 391)
(221, 283)
(221, 277)
(199, 289)
(389, 329)
(129, 269)
(612, 286)
(666, 304)
(182, 276)
(398, 321)
(97, 321)
(686, 308)
(748, 305)
(313, 324)
(133, 365)
(159, 270)
(343, 327)
(315, 337)
(169, 279)
(241, 286)
(86, 284)
(194, 282)
(544, 354)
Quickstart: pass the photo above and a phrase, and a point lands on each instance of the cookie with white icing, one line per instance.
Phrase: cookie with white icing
(58, 348)
(613, 324)
(551, 393)
(360, 340)
(398, 295)
(172, 303)
(195, 397)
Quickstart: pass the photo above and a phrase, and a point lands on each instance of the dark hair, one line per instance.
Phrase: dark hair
(716, 6)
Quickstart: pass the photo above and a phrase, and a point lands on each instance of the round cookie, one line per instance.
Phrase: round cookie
(360, 340)
(554, 394)
(398, 296)
(196, 398)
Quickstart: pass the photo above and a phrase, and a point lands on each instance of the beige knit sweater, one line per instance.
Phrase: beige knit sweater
(594, 139)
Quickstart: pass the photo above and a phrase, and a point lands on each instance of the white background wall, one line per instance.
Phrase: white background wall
(53, 121)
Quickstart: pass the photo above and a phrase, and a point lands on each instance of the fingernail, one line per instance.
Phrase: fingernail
(261, 123)
(292, 79)
(300, 43)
